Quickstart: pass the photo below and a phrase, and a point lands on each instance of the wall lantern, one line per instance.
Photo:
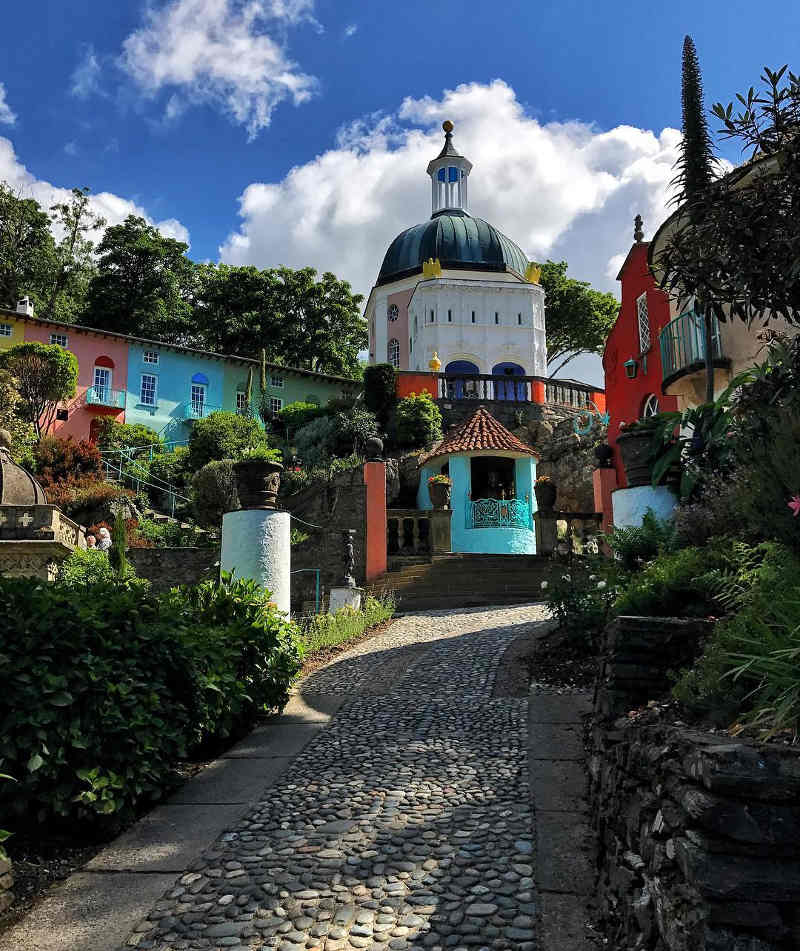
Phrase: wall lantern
(631, 369)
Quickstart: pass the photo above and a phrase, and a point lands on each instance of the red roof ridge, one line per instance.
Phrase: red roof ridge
(480, 432)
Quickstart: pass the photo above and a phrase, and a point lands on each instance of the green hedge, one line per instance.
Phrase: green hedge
(107, 686)
(329, 630)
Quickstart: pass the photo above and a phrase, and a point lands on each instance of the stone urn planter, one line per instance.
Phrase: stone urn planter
(440, 494)
(604, 455)
(546, 494)
(257, 481)
(635, 446)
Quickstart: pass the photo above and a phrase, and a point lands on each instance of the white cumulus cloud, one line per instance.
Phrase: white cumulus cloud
(559, 189)
(7, 117)
(86, 76)
(227, 53)
(112, 207)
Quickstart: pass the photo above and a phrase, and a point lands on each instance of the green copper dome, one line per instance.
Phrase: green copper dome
(458, 240)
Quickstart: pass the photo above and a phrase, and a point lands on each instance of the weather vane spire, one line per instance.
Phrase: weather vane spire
(638, 233)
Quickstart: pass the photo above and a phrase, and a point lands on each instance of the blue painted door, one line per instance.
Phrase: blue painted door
(505, 388)
(458, 389)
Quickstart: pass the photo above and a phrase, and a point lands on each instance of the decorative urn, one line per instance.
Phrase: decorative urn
(257, 482)
(546, 493)
(440, 494)
(604, 455)
(636, 448)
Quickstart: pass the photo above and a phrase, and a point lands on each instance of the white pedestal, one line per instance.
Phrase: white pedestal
(256, 544)
(344, 598)
(630, 505)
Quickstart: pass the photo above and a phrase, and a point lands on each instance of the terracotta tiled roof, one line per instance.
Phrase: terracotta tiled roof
(480, 432)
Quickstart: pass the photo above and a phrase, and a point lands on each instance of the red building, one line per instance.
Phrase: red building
(632, 356)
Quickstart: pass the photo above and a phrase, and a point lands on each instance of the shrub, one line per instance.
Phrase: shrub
(86, 501)
(353, 429)
(88, 566)
(581, 600)
(639, 543)
(380, 390)
(222, 435)
(150, 534)
(214, 492)
(316, 441)
(419, 422)
(65, 460)
(296, 415)
(114, 435)
(23, 435)
(671, 585)
(328, 630)
(95, 718)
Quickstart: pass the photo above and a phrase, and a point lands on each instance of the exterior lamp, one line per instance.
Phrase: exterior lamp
(631, 369)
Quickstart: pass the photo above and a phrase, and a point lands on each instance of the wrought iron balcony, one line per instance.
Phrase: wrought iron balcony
(104, 396)
(683, 344)
(499, 513)
(196, 409)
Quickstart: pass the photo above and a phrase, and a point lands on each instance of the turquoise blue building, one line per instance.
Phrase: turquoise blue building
(492, 498)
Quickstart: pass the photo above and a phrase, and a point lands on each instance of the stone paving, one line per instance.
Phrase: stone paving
(405, 824)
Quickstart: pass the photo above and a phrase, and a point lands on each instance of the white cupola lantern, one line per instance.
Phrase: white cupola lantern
(449, 172)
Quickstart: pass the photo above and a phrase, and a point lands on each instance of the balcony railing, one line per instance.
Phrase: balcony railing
(683, 343)
(194, 409)
(408, 532)
(499, 513)
(486, 387)
(105, 396)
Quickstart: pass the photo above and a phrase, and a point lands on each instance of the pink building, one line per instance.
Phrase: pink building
(102, 375)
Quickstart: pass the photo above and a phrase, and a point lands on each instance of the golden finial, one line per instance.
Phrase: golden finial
(431, 268)
(435, 364)
(447, 125)
(533, 273)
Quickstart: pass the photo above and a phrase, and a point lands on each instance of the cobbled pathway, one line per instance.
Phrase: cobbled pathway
(406, 823)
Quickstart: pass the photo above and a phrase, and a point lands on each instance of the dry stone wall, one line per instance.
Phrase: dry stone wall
(167, 567)
(6, 884)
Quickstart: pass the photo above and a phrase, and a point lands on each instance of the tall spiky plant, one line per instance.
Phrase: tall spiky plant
(696, 165)
(248, 393)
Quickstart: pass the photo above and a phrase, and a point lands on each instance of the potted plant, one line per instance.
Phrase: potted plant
(546, 492)
(258, 476)
(439, 487)
(604, 455)
(636, 445)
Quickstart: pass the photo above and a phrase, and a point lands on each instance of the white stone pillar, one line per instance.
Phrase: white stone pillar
(255, 544)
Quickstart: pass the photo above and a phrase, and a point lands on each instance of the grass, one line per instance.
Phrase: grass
(325, 631)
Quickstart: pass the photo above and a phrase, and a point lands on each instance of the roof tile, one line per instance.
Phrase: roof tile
(480, 432)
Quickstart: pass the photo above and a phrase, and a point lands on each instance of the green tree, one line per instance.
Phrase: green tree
(135, 436)
(26, 249)
(144, 284)
(46, 376)
(578, 318)
(419, 422)
(73, 257)
(22, 433)
(222, 435)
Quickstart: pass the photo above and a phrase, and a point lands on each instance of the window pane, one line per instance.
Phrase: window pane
(147, 393)
(452, 174)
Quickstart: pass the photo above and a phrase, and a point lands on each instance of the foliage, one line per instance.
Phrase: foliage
(95, 719)
(85, 498)
(88, 566)
(222, 435)
(143, 285)
(23, 436)
(636, 544)
(46, 376)
(112, 435)
(380, 381)
(579, 318)
(171, 466)
(329, 630)
(119, 544)
(323, 472)
(151, 534)
(26, 249)
(353, 428)
(581, 600)
(67, 461)
(440, 479)
(214, 492)
(338, 435)
(419, 422)
(261, 453)
(306, 321)
(299, 414)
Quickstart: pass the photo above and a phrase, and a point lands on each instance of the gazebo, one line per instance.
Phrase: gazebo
(492, 498)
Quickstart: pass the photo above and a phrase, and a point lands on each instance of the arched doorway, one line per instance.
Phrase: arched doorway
(506, 388)
(458, 389)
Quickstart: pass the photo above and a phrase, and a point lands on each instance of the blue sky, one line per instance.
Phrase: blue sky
(195, 113)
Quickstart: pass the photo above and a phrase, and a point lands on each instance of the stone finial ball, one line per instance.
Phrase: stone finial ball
(5, 439)
(447, 125)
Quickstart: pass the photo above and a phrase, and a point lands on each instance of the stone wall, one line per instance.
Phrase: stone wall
(6, 884)
(167, 567)
(699, 834)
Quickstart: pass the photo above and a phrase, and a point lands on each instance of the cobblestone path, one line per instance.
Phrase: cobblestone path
(406, 823)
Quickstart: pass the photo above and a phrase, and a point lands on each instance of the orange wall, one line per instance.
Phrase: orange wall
(408, 383)
(375, 481)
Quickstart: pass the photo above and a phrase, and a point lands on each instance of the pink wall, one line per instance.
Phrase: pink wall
(399, 327)
(87, 347)
(375, 481)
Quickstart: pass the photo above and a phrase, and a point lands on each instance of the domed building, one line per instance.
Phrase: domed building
(456, 286)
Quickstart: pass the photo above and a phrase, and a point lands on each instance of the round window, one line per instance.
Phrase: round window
(393, 312)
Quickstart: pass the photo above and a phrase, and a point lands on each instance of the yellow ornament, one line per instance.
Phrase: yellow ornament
(431, 268)
(435, 364)
(532, 273)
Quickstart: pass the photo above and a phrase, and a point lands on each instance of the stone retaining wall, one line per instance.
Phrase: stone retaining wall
(167, 567)
(699, 834)
(6, 884)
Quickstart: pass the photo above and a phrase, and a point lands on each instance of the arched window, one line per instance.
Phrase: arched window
(441, 175)
(393, 312)
(650, 406)
(393, 352)
(101, 380)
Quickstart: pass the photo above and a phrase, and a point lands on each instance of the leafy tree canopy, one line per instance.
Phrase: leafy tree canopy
(26, 249)
(578, 318)
(222, 435)
(45, 375)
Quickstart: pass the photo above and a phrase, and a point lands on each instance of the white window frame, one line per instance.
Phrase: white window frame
(59, 340)
(103, 386)
(151, 357)
(142, 400)
(276, 381)
(197, 397)
(241, 401)
(392, 312)
(275, 404)
(6, 330)
(650, 407)
(643, 322)
(393, 352)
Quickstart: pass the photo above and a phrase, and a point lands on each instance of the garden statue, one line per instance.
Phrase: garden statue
(349, 559)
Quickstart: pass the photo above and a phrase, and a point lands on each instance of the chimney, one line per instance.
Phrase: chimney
(25, 306)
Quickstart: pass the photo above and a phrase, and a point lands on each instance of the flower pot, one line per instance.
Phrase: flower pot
(440, 495)
(604, 455)
(546, 493)
(636, 448)
(257, 481)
